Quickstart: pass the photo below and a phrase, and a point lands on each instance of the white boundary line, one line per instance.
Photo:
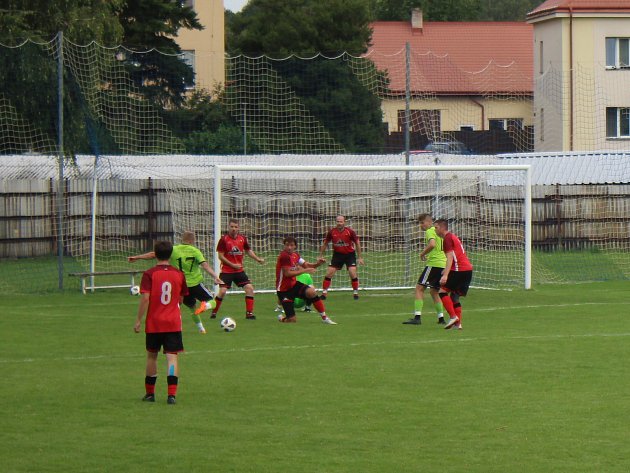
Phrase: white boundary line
(323, 346)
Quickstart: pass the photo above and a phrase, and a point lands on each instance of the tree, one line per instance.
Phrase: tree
(280, 28)
(81, 21)
(150, 26)
(316, 30)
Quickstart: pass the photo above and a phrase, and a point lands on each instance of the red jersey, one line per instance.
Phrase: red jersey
(165, 285)
(233, 250)
(343, 241)
(286, 260)
(460, 260)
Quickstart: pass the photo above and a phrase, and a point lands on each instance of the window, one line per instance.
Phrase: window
(542, 124)
(541, 58)
(617, 122)
(617, 53)
(506, 124)
(188, 57)
(426, 122)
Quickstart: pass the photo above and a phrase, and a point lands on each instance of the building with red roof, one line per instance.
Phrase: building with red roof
(462, 75)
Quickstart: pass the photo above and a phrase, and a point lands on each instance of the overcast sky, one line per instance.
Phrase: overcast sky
(234, 5)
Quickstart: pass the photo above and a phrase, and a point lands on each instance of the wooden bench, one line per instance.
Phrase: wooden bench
(85, 287)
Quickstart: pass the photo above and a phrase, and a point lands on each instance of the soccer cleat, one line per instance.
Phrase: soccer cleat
(355, 297)
(323, 296)
(413, 321)
(202, 330)
(441, 321)
(453, 322)
(287, 320)
(213, 315)
(328, 321)
(250, 316)
(459, 326)
(149, 398)
(170, 399)
(202, 308)
(307, 309)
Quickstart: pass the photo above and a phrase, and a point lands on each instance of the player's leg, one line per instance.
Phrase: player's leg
(244, 283)
(218, 300)
(310, 295)
(445, 297)
(439, 307)
(330, 272)
(173, 344)
(190, 301)
(418, 303)
(286, 299)
(457, 307)
(150, 374)
(354, 280)
(172, 378)
(206, 297)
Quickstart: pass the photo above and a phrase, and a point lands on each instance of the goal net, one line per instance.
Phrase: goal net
(487, 207)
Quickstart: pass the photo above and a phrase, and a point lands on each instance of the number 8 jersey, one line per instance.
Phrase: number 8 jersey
(165, 285)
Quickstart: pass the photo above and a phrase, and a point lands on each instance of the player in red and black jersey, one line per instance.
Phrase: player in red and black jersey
(231, 248)
(162, 290)
(346, 250)
(456, 276)
(289, 265)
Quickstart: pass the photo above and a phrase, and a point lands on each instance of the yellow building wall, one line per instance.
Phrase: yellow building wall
(208, 44)
(457, 112)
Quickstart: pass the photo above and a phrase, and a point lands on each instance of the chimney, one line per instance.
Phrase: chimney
(416, 19)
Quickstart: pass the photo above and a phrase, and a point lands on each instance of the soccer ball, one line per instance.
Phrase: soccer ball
(134, 290)
(228, 324)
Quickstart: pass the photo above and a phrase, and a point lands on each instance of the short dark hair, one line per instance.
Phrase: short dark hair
(289, 239)
(233, 220)
(163, 250)
(442, 222)
(422, 217)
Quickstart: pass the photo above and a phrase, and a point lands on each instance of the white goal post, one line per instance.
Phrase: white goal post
(488, 206)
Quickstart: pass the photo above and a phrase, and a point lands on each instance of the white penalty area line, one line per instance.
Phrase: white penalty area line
(453, 339)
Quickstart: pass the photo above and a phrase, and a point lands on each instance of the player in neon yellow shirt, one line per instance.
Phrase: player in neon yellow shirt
(435, 261)
(190, 260)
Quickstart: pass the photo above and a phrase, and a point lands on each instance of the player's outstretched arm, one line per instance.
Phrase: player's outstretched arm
(255, 257)
(149, 255)
(206, 267)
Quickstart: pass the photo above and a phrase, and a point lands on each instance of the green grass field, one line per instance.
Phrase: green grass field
(537, 381)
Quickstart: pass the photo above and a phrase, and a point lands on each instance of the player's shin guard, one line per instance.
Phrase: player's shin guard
(149, 384)
(355, 284)
(172, 385)
(249, 304)
(326, 285)
(448, 303)
(218, 301)
(319, 305)
(289, 307)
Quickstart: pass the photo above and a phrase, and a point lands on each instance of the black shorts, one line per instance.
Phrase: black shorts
(430, 277)
(170, 341)
(240, 279)
(197, 293)
(458, 282)
(286, 298)
(339, 259)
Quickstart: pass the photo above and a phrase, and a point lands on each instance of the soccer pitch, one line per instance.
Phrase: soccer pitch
(537, 381)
